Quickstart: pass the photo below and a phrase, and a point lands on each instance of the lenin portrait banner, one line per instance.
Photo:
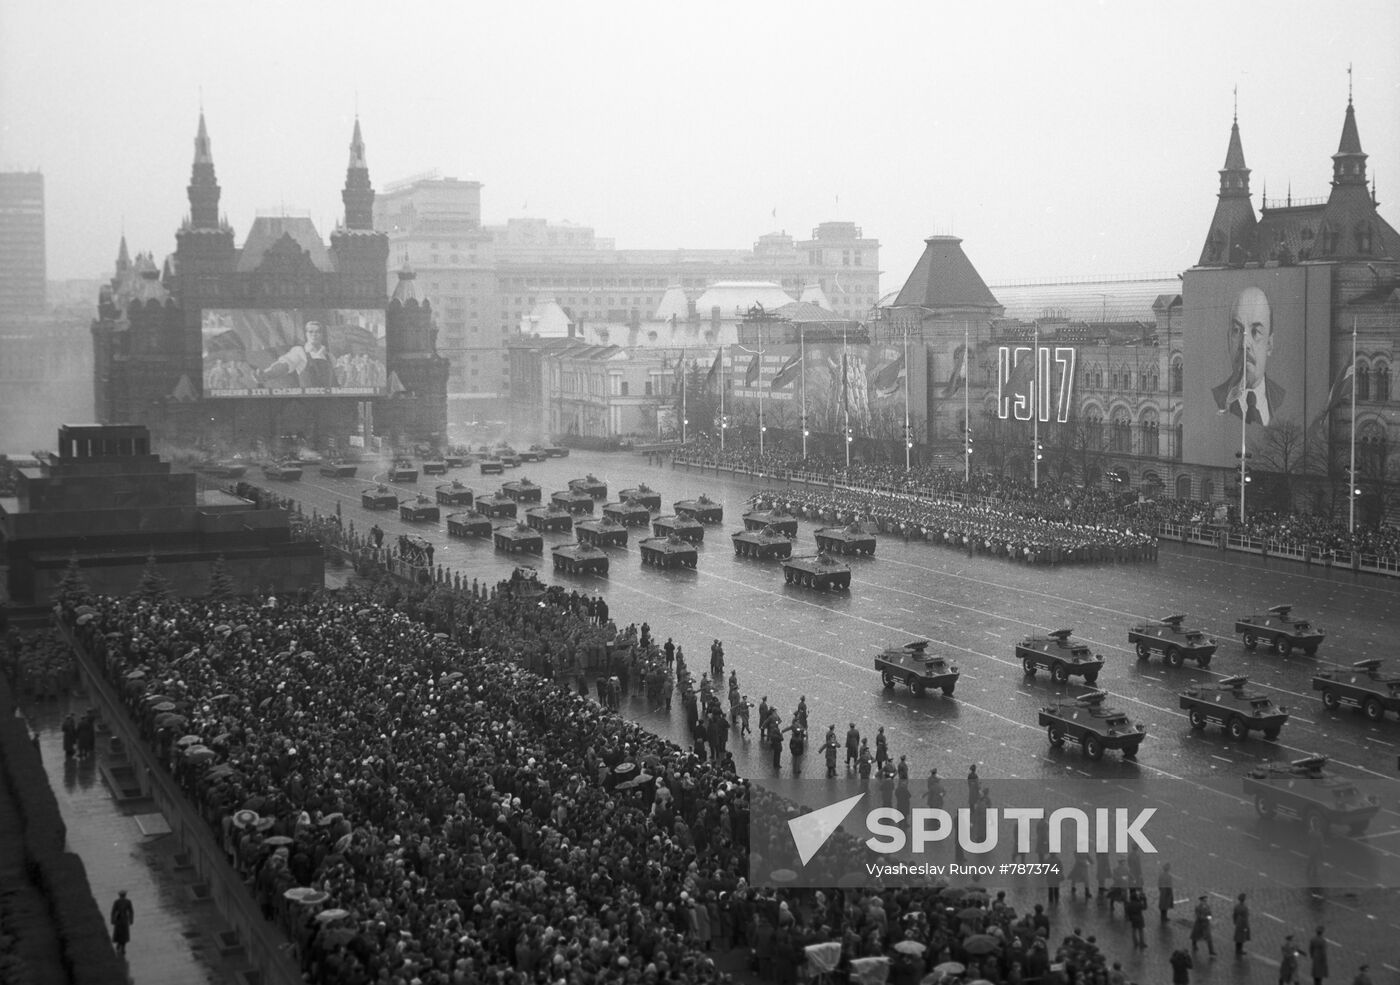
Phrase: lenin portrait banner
(282, 352)
(1256, 351)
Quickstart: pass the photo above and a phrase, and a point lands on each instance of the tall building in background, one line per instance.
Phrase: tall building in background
(22, 260)
(485, 281)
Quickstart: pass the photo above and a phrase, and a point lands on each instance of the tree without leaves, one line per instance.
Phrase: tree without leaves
(220, 580)
(152, 585)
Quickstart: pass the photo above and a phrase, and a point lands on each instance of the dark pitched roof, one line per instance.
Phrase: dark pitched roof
(945, 278)
(1234, 154)
(1292, 228)
(268, 229)
(804, 312)
(1351, 140)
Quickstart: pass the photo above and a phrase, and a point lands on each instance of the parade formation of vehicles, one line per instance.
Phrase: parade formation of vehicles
(420, 510)
(339, 470)
(491, 466)
(644, 494)
(468, 525)
(763, 543)
(1229, 704)
(1279, 631)
(1096, 727)
(595, 487)
(454, 494)
(850, 539)
(1304, 790)
(283, 471)
(403, 471)
(435, 466)
(549, 519)
(1061, 655)
(913, 665)
(573, 500)
(779, 519)
(684, 527)
(1363, 687)
(580, 559)
(1169, 637)
(668, 552)
(819, 571)
(497, 506)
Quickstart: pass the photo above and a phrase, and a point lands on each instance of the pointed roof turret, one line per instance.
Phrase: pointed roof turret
(945, 279)
(1349, 163)
(1351, 228)
(123, 257)
(202, 152)
(1231, 236)
(358, 195)
(204, 187)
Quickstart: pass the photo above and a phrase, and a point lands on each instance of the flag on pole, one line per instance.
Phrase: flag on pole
(787, 372)
(751, 374)
(845, 387)
(1340, 392)
(713, 374)
(889, 378)
(958, 379)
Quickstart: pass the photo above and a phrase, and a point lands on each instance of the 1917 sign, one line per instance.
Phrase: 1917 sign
(1042, 386)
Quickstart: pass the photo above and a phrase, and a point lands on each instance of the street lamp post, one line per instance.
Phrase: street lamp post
(908, 431)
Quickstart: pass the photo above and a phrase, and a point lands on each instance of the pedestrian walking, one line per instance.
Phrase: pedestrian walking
(1166, 894)
(1317, 954)
(974, 785)
(1181, 967)
(1242, 931)
(123, 916)
(1133, 909)
(70, 736)
(1288, 962)
(1200, 926)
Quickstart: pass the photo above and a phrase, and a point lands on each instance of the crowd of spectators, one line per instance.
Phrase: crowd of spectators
(1056, 502)
(421, 808)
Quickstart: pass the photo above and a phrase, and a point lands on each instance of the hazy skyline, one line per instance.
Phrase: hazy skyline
(1058, 140)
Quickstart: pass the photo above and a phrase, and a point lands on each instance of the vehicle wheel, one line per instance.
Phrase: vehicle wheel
(948, 691)
(1330, 700)
(1373, 708)
(1250, 641)
(1358, 828)
(1311, 650)
(1093, 747)
(1174, 657)
(1143, 651)
(1316, 823)
(1203, 662)
(1028, 665)
(1059, 673)
(1130, 752)
(1263, 806)
(1283, 646)
(1271, 733)
(1056, 736)
(1198, 719)
(887, 679)
(1091, 679)
(1236, 728)
(918, 688)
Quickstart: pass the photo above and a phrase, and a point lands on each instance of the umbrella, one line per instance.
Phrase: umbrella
(949, 968)
(782, 875)
(189, 740)
(221, 697)
(913, 948)
(333, 937)
(299, 894)
(980, 944)
(440, 636)
(136, 675)
(255, 803)
(265, 823)
(244, 818)
(973, 894)
(169, 719)
(156, 699)
(330, 819)
(164, 706)
(971, 913)
(316, 898)
(199, 754)
(326, 916)
(84, 620)
(223, 769)
(953, 894)
(343, 844)
(456, 675)
(277, 840)
(85, 610)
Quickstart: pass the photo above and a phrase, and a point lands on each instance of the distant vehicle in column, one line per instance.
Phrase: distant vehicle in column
(1304, 790)
(1095, 726)
(1231, 705)
(1280, 631)
(1364, 687)
(1060, 654)
(820, 571)
(1170, 637)
(850, 539)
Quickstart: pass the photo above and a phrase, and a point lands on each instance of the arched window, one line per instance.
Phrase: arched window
(1207, 489)
(1120, 433)
(1149, 432)
(1382, 386)
(1363, 237)
(1093, 429)
(1363, 382)
(1183, 487)
(1176, 376)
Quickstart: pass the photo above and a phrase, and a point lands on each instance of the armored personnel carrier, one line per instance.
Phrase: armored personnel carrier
(1060, 654)
(453, 494)
(763, 543)
(403, 471)
(817, 571)
(850, 539)
(522, 490)
(491, 466)
(629, 513)
(517, 537)
(702, 507)
(1304, 790)
(778, 518)
(1095, 726)
(580, 559)
(667, 552)
(1279, 631)
(283, 471)
(1170, 637)
(684, 527)
(573, 500)
(1362, 687)
(644, 494)
(381, 497)
(468, 525)
(592, 485)
(437, 465)
(549, 519)
(420, 510)
(912, 664)
(1230, 705)
(601, 533)
(339, 470)
(496, 506)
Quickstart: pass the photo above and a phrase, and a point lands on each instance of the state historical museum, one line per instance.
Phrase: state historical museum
(282, 341)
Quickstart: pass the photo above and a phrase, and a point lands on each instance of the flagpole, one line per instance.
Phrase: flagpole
(760, 398)
(967, 411)
(908, 434)
(802, 370)
(1244, 415)
(1351, 471)
(845, 398)
(723, 424)
(682, 396)
(1035, 410)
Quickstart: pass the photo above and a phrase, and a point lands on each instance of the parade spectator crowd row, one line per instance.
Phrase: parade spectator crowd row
(1053, 503)
(446, 815)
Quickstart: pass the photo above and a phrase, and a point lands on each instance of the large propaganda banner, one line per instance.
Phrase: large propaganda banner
(288, 352)
(1256, 355)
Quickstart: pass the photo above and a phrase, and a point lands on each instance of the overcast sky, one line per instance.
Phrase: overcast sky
(1058, 139)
